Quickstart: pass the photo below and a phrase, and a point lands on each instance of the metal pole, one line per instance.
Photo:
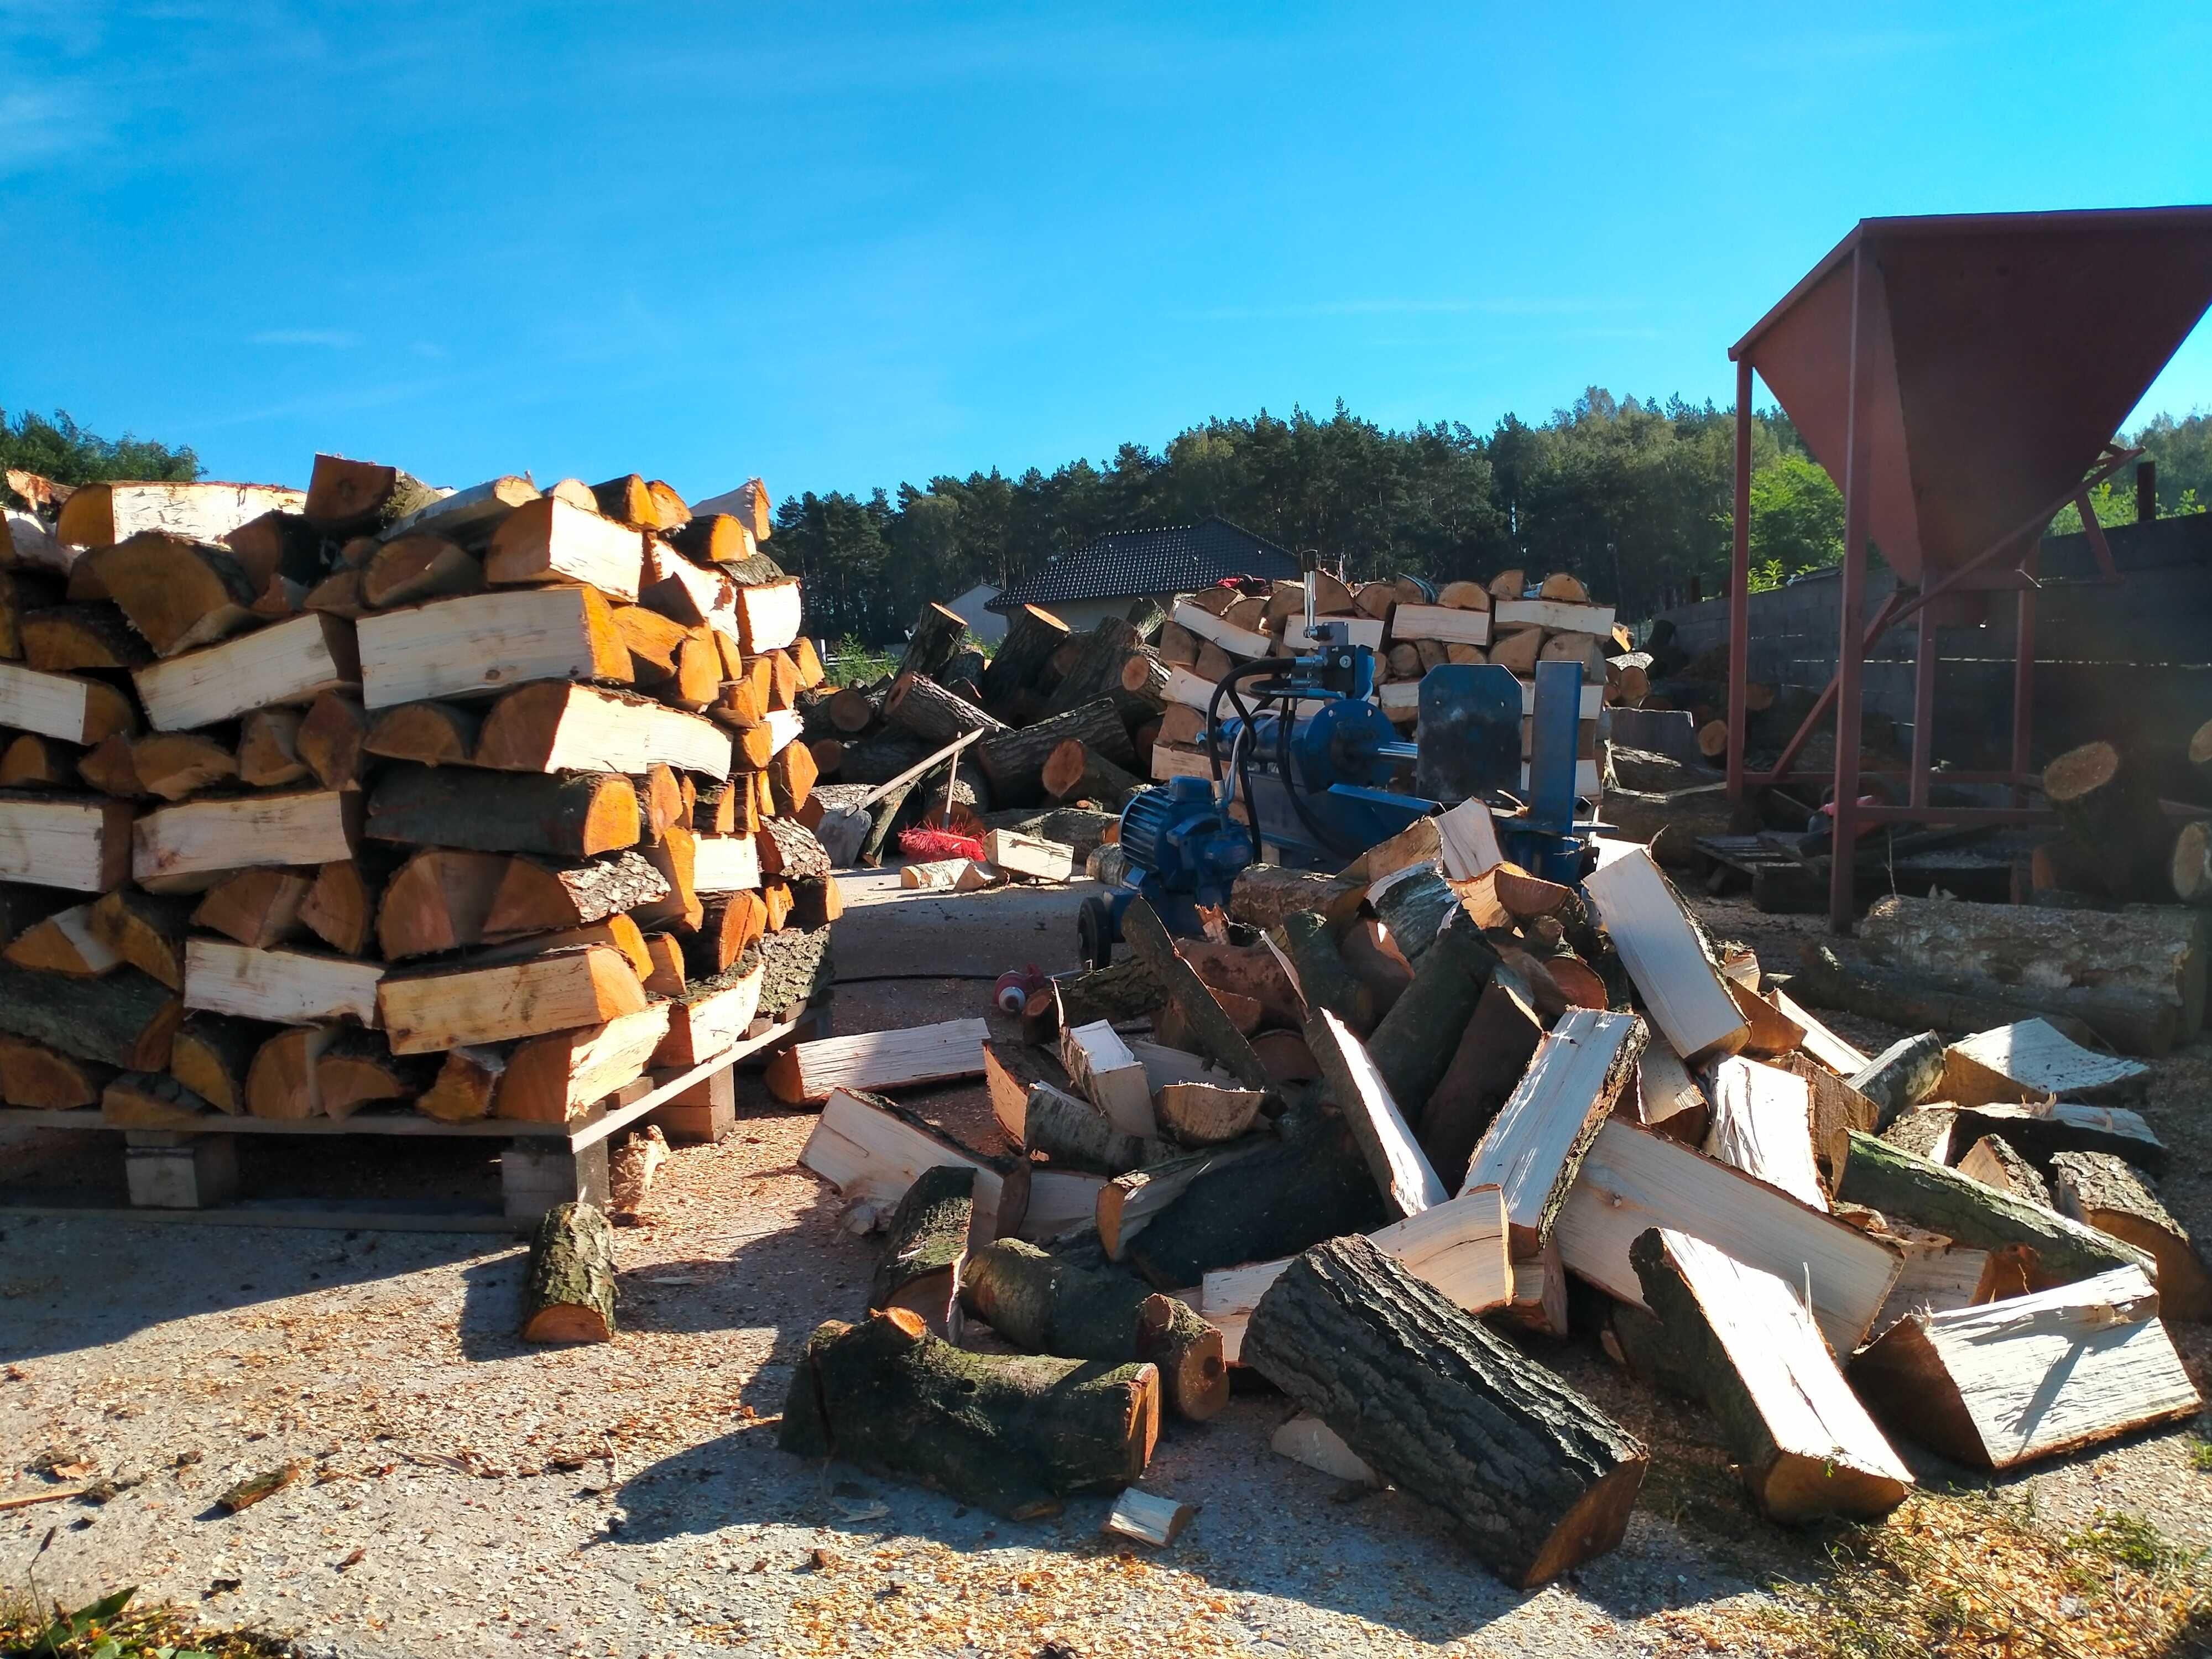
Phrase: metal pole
(1739, 589)
(1923, 705)
(2023, 679)
(1851, 649)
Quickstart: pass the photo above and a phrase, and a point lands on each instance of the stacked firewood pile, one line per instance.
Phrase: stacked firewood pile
(1371, 1127)
(2135, 826)
(379, 795)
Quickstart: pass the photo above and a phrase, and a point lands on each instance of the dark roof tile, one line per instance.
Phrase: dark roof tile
(1178, 559)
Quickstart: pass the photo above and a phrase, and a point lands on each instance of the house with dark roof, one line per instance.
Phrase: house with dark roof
(1105, 575)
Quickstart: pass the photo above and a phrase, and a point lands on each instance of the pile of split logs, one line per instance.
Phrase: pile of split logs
(1380, 1118)
(474, 802)
(1049, 738)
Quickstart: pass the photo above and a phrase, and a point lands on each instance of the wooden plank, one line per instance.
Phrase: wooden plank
(2030, 1377)
(290, 988)
(447, 1008)
(1633, 1179)
(1762, 1124)
(80, 842)
(316, 826)
(289, 663)
(486, 643)
(1401, 1170)
(1534, 1146)
(1683, 993)
(879, 1060)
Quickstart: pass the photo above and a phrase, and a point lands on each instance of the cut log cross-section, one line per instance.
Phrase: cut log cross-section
(1437, 1404)
(439, 900)
(124, 1020)
(927, 1241)
(1799, 1438)
(558, 1076)
(34, 1076)
(178, 593)
(65, 942)
(69, 707)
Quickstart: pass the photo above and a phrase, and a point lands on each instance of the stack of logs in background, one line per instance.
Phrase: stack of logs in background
(377, 796)
(1062, 720)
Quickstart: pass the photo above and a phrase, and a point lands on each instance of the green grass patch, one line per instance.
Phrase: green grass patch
(117, 1627)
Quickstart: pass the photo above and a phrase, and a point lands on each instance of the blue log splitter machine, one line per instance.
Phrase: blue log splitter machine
(1310, 760)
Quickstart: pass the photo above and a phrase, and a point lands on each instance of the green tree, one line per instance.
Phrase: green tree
(1797, 515)
(59, 448)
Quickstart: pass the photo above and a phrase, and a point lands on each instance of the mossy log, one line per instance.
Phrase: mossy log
(1531, 1475)
(1011, 1433)
(1414, 1043)
(1037, 1301)
(124, 1020)
(920, 1268)
(569, 1294)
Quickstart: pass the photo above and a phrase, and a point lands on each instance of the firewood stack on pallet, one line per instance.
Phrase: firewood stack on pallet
(382, 796)
(1387, 1115)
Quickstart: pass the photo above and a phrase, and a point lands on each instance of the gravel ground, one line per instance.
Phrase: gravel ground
(628, 1499)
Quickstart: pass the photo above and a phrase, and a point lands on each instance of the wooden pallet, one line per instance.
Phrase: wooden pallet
(193, 1174)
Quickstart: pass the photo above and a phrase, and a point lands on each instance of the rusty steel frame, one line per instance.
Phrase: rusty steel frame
(1846, 689)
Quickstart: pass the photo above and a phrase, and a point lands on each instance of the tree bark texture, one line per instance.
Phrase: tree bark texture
(1075, 771)
(1897, 997)
(2101, 1191)
(1019, 664)
(795, 970)
(1014, 760)
(570, 1293)
(564, 815)
(935, 714)
(1324, 980)
(1011, 1433)
(1415, 1042)
(1533, 1477)
(1037, 1301)
(1264, 894)
(937, 634)
(920, 1265)
(124, 1020)
(1096, 670)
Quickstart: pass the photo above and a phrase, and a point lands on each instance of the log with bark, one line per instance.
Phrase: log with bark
(1014, 760)
(256, 907)
(146, 930)
(1884, 1177)
(124, 1020)
(65, 942)
(347, 497)
(1531, 1476)
(177, 592)
(212, 1054)
(1011, 1433)
(1072, 1132)
(1264, 894)
(1074, 771)
(1096, 670)
(2107, 801)
(569, 1294)
(1895, 997)
(927, 1241)
(921, 706)
(936, 636)
(1492, 1051)
(41, 1078)
(564, 815)
(796, 970)
(1908, 1072)
(2101, 1191)
(1037, 1301)
(1415, 1042)
(1534, 1147)
(1019, 664)
(1351, 1082)
(1215, 1033)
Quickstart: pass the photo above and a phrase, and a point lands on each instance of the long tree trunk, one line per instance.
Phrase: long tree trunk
(1014, 760)
(937, 634)
(932, 714)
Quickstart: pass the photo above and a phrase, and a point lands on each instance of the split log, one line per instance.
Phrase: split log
(2140, 970)
(560, 991)
(1992, 1161)
(256, 907)
(34, 761)
(1194, 1002)
(83, 845)
(1535, 1148)
(534, 896)
(487, 642)
(177, 592)
(872, 1150)
(1014, 761)
(1075, 772)
(558, 1076)
(1908, 1072)
(1263, 895)
(23, 906)
(1039, 1303)
(712, 1014)
(1762, 1124)
(1432, 1401)
(147, 931)
(1492, 1053)
(549, 540)
(729, 926)
(1102, 1066)
(41, 1078)
(354, 1069)
(790, 777)
(1415, 903)
(1274, 1200)
(330, 739)
(1032, 636)
(563, 816)
(2033, 1060)
(1009, 1433)
(281, 1083)
(66, 944)
(1205, 1114)
(1633, 1180)
(1796, 1434)
(1884, 1177)
(69, 707)
(1664, 953)
(170, 765)
(442, 899)
(2101, 1191)
(150, 1100)
(408, 570)
(1319, 972)
(1146, 676)
(269, 749)
(569, 1294)
(877, 1061)
(560, 726)
(1073, 1132)
(797, 970)
(212, 1054)
(61, 638)
(2030, 1377)
(467, 1079)
(280, 986)
(348, 497)
(1925, 1132)
(921, 1267)
(1401, 1170)
(2044, 1129)
(194, 838)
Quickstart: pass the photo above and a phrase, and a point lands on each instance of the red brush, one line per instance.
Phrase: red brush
(921, 843)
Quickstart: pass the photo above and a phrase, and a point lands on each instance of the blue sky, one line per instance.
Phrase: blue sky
(844, 246)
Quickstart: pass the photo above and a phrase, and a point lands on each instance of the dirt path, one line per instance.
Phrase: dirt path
(627, 1500)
